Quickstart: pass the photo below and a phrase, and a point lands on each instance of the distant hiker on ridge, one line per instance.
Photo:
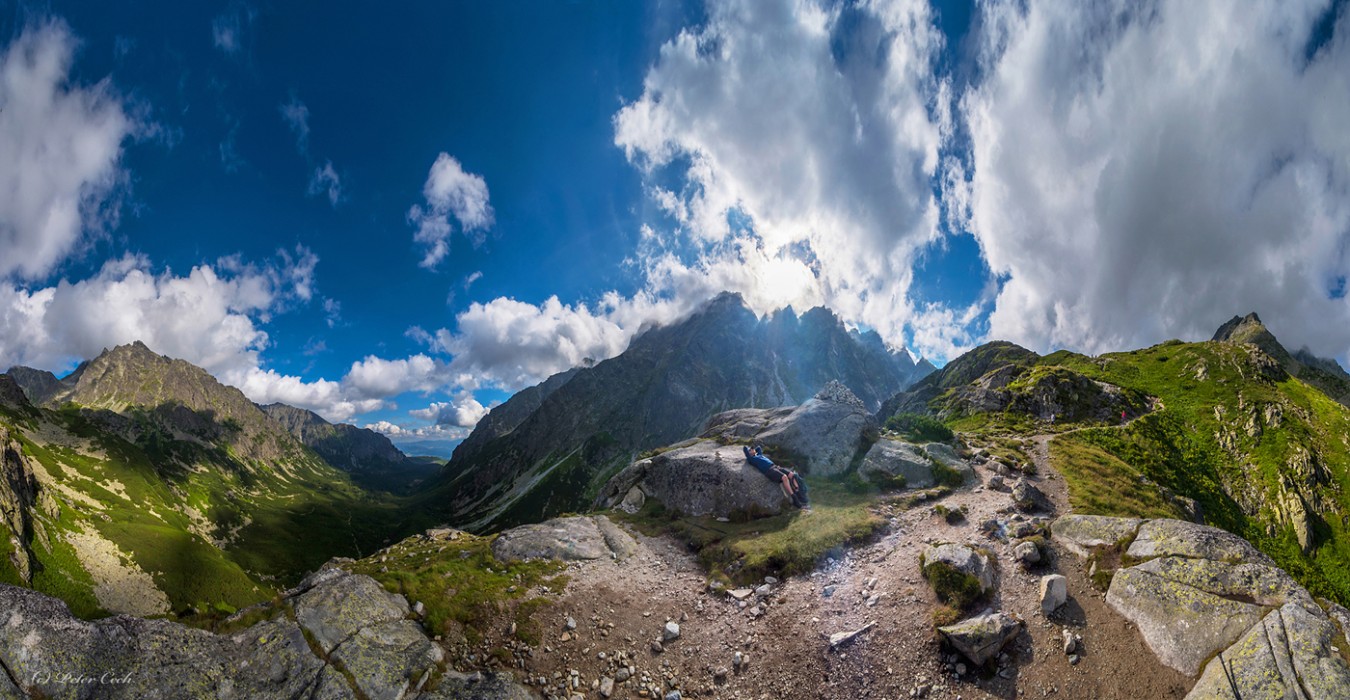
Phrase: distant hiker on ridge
(792, 485)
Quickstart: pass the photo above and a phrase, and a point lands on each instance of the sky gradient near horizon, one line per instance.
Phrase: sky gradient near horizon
(398, 216)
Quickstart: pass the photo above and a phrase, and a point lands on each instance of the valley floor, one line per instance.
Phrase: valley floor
(620, 610)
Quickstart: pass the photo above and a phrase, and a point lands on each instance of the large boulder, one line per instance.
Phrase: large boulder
(982, 638)
(701, 477)
(350, 619)
(963, 558)
(1081, 534)
(819, 437)
(1290, 653)
(889, 458)
(574, 538)
(1205, 598)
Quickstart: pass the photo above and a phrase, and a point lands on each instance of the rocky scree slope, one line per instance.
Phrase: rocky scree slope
(524, 462)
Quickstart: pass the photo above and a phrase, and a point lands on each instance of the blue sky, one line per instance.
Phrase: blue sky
(397, 216)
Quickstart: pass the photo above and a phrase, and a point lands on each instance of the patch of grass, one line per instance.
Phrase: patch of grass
(461, 583)
(1101, 484)
(955, 588)
(951, 515)
(944, 615)
(947, 476)
(918, 427)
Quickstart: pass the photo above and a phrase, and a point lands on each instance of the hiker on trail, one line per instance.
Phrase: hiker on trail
(786, 478)
(1122, 416)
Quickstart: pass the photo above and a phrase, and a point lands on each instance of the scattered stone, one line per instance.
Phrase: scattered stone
(1027, 498)
(764, 590)
(840, 638)
(982, 638)
(657, 648)
(671, 632)
(963, 558)
(1054, 592)
(770, 580)
(1070, 643)
(995, 482)
(737, 661)
(1027, 553)
(606, 687)
(570, 624)
(828, 591)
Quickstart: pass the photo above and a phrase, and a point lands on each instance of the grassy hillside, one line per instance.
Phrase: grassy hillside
(207, 533)
(1217, 431)
(1264, 454)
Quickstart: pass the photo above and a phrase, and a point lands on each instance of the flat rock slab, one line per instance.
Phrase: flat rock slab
(982, 638)
(342, 605)
(818, 437)
(963, 558)
(1081, 534)
(1160, 538)
(1182, 625)
(1288, 654)
(387, 659)
(41, 643)
(575, 538)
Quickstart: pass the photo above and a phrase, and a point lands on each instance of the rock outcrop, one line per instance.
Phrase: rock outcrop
(573, 538)
(819, 437)
(364, 646)
(22, 497)
(1207, 600)
(889, 458)
(699, 477)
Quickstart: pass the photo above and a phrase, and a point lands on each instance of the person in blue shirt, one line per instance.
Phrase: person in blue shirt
(791, 483)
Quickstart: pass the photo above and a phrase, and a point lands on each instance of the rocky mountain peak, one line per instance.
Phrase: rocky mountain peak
(11, 394)
(836, 392)
(1244, 329)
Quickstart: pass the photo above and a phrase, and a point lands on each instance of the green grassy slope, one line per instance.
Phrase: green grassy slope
(1250, 443)
(1215, 429)
(212, 530)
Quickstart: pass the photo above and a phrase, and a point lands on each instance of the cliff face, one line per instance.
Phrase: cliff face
(590, 423)
(21, 498)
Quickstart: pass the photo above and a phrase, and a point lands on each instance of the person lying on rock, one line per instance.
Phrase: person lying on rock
(792, 484)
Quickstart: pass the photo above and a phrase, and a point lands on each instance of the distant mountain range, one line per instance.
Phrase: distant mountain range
(551, 447)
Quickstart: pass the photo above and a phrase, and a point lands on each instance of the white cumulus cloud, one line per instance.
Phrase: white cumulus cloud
(60, 172)
(1141, 172)
(449, 192)
(464, 411)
